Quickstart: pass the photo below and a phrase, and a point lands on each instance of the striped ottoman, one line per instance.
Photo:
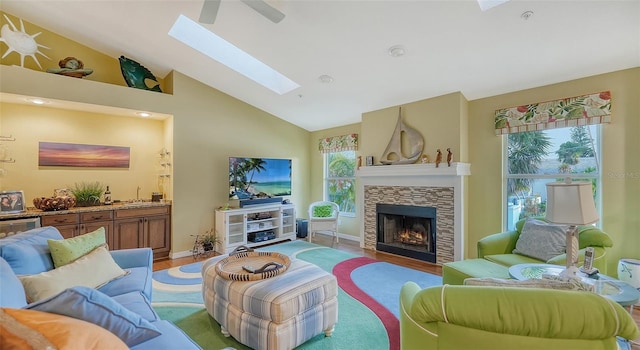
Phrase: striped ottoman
(281, 312)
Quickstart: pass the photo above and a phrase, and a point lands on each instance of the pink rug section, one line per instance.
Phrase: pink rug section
(342, 271)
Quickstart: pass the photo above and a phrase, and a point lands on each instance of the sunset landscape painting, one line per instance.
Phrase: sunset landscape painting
(79, 155)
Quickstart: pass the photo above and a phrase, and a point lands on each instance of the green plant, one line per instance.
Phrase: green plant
(208, 239)
(88, 192)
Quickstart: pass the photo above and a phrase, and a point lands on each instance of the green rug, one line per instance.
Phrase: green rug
(177, 297)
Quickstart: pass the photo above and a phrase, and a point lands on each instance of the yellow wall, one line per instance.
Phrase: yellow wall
(347, 225)
(441, 120)
(210, 127)
(620, 161)
(105, 69)
(30, 125)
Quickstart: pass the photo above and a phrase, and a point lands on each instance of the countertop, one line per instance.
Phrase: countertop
(33, 212)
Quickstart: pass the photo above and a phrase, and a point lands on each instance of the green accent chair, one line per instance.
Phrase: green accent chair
(487, 317)
(498, 248)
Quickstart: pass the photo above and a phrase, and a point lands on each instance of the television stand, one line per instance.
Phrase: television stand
(254, 226)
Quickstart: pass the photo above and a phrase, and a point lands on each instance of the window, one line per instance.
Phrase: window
(340, 180)
(537, 157)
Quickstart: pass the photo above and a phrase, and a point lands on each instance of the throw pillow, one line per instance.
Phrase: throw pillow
(65, 251)
(92, 270)
(541, 240)
(322, 211)
(93, 306)
(29, 329)
(569, 284)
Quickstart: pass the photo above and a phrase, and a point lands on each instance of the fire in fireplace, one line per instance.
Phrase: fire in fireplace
(407, 230)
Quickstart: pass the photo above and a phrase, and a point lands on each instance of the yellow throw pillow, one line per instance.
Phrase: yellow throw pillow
(92, 270)
(65, 251)
(29, 329)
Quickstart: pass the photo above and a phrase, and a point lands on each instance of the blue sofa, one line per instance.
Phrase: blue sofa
(27, 253)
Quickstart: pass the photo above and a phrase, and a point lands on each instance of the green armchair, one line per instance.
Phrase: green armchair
(498, 247)
(479, 317)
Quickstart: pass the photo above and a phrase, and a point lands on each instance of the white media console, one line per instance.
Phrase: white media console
(254, 226)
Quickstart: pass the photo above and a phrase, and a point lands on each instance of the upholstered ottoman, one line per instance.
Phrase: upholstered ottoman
(456, 272)
(280, 312)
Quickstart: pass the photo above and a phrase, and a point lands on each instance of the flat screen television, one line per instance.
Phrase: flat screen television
(251, 178)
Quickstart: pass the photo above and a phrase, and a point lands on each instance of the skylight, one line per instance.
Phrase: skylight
(487, 4)
(201, 39)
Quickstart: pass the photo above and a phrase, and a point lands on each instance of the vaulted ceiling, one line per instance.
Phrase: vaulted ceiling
(448, 46)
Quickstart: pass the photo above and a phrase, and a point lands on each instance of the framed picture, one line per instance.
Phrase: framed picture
(12, 202)
(369, 160)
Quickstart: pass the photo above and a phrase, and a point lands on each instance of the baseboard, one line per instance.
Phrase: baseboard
(178, 255)
(186, 253)
(340, 236)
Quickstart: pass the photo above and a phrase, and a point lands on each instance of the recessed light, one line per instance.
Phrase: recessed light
(397, 51)
(326, 79)
(526, 15)
(144, 114)
(37, 101)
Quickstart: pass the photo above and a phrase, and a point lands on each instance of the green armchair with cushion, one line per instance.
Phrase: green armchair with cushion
(482, 317)
(499, 247)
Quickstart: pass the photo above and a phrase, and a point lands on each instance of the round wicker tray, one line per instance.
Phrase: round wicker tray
(231, 267)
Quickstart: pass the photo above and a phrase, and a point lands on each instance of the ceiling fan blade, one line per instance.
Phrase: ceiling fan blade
(209, 11)
(265, 9)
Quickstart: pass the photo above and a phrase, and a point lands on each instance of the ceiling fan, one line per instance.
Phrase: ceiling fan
(210, 10)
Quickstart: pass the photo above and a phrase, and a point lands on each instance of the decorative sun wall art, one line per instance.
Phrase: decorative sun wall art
(20, 42)
(79, 155)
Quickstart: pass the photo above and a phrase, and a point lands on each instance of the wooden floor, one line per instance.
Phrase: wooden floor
(344, 245)
(354, 247)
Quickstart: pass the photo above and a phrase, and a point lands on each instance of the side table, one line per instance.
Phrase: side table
(609, 287)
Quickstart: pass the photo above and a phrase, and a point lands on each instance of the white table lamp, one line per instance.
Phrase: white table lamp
(571, 203)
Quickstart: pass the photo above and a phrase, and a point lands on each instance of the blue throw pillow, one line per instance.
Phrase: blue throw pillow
(28, 252)
(93, 306)
(12, 290)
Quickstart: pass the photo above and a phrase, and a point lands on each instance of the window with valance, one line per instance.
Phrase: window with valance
(340, 143)
(568, 112)
(546, 142)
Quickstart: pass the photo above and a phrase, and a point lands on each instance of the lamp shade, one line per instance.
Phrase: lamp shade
(571, 203)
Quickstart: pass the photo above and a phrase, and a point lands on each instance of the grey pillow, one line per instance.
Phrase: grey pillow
(541, 240)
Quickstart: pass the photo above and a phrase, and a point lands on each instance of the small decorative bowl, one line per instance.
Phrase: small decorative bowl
(54, 203)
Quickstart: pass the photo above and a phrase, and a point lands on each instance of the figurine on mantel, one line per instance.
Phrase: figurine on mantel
(438, 158)
(425, 159)
(449, 156)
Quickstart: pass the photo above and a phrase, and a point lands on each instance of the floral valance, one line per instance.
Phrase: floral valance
(572, 111)
(338, 143)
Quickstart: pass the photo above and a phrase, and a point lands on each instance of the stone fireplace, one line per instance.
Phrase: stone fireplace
(416, 185)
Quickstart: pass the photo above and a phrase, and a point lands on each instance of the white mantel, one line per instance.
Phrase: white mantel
(419, 175)
(429, 169)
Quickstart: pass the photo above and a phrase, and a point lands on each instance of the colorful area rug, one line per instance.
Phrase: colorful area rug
(368, 299)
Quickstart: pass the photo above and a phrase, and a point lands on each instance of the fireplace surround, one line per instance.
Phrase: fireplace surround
(442, 188)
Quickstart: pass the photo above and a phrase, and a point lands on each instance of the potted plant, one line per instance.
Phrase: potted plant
(87, 193)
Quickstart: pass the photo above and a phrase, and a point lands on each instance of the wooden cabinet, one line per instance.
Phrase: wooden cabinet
(72, 225)
(254, 226)
(125, 228)
(143, 227)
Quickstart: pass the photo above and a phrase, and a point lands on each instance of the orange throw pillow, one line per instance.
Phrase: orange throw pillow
(29, 329)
